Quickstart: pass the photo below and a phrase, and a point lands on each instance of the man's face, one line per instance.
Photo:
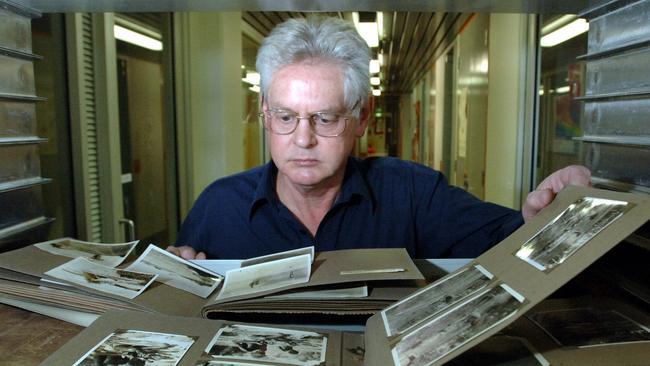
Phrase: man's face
(303, 158)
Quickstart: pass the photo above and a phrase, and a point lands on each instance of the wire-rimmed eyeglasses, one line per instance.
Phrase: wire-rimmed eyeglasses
(325, 124)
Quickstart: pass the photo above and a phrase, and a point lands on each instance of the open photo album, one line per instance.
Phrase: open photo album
(84, 277)
(491, 311)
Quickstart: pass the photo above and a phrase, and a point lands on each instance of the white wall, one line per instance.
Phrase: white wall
(210, 131)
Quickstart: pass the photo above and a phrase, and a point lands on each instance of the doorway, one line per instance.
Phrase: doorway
(147, 143)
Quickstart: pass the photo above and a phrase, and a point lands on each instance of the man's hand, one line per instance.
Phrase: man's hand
(541, 197)
(186, 252)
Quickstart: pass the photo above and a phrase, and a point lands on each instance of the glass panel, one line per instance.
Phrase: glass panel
(562, 80)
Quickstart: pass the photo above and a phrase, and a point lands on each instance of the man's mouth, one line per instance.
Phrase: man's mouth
(305, 162)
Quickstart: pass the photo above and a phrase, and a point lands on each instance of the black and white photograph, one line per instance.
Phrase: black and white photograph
(451, 330)
(137, 347)
(501, 350)
(266, 276)
(120, 282)
(285, 346)
(570, 230)
(177, 272)
(585, 327)
(281, 255)
(433, 299)
(107, 254)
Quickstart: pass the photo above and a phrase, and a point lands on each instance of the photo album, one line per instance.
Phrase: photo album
(493, 310)
(76, 276)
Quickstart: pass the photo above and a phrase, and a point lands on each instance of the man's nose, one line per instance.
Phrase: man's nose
(304, 135)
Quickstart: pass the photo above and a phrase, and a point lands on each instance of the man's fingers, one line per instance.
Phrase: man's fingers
(174, 250)
(186, 252)
(577, 175)
(536, 201)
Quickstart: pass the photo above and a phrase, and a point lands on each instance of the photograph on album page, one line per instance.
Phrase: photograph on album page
(176, 271)
(137, 347)
(280, 255)
(570, 230)
(452, 329)
(119, 282)
(266, 276)
(254, 343)
(584, 327)
(106, 254)
(433, 299)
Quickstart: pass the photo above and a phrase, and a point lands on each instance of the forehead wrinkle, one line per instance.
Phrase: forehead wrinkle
(308, 87)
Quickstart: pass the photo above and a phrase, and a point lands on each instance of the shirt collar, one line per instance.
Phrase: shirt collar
(354, 186)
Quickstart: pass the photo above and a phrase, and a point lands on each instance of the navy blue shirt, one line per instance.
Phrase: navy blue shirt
(383, 203)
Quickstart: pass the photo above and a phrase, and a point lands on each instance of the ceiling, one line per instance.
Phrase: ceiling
(416, 32)
(411, 43)
(455, 6)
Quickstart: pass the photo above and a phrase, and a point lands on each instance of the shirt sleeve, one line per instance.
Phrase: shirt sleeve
(452, 223)
(192, 229)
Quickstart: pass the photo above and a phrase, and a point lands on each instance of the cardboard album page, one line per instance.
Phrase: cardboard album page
(464, 308)
(134, 338)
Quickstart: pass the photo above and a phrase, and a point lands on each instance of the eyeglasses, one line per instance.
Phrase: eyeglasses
(324, 124)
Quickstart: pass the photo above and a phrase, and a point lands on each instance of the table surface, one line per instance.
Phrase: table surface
(27, 338)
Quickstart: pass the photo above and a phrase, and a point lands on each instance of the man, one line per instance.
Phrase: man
(315, 87)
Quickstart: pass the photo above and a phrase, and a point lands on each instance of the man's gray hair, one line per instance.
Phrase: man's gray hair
(318, 38)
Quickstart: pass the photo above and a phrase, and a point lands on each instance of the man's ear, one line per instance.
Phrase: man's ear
(263, 102)
(364, 116)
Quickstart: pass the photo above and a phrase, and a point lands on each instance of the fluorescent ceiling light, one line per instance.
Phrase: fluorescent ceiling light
(565, 33)
(376, 92)
(558, 23)
(562, 89)
(252, 78)
(138, 39)
(368, 30)
(255, 89)
(374, 66)
(375, 80)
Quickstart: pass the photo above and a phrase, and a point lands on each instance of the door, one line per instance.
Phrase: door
(122, 132)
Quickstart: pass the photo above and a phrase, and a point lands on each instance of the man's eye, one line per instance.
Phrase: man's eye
(326, 118)
(284, 117)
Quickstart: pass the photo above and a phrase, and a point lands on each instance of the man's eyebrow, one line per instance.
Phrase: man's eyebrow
(332, 110)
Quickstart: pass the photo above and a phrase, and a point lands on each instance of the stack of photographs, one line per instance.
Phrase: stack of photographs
(154, 264)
